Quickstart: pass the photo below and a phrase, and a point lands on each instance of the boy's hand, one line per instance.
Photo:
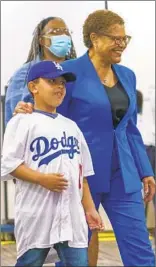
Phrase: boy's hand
(54, 182)
(23, 107)
(94, 220)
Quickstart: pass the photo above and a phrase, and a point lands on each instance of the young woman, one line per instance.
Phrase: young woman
(51, 41)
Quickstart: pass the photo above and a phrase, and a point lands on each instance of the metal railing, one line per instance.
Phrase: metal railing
(2, 133)
(106, 4)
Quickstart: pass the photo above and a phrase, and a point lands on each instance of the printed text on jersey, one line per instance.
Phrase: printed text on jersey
(42, 146)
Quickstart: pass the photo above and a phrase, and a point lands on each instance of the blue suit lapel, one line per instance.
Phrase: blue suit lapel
(96, 85)
(87, 69)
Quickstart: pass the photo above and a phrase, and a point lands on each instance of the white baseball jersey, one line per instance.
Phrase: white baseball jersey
(48, 145)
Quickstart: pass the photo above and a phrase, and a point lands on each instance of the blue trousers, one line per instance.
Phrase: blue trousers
(127, 215)
(69, 256)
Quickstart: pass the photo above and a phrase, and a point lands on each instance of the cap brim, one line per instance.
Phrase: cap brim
(69, 76)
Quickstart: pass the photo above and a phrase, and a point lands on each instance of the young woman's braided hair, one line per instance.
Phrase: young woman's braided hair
(36, 48)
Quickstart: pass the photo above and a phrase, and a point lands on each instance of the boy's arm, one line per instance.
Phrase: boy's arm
(24, 173)
(14, 143)
(92, 216)
(87, 201)
(52, 181)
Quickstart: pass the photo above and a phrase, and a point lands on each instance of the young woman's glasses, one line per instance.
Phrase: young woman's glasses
(59, 31)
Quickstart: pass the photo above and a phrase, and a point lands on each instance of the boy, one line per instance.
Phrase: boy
(48, 155)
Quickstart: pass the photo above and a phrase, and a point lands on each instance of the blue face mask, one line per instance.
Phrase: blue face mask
(60, 45)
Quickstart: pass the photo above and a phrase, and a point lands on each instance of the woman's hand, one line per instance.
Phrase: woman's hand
(23, 107)
(149, 188)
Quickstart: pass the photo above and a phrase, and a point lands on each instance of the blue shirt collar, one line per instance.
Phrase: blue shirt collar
(52, 115)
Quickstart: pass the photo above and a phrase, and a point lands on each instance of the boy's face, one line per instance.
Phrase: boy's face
(49, 92)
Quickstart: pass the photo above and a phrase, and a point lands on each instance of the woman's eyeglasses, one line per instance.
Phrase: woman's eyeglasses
(118, 39)
(58, 31)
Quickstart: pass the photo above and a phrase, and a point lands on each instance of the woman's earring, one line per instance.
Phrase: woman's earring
(95, 46)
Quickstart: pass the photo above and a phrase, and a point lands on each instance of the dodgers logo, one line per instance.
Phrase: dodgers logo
(58, 66)
(42, 146)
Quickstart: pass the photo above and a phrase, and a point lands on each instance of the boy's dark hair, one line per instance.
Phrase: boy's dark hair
(139, 101)
(36, 48)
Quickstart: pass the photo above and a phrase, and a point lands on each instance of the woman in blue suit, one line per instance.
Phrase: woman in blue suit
(103, 104)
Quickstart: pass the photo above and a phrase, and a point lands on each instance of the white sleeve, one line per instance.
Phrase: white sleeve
(14, 142)
(87, 164)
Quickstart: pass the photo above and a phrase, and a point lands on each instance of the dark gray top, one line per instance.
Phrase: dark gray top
(119, 102)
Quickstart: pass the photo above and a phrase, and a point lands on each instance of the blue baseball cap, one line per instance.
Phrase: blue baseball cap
(49, 70)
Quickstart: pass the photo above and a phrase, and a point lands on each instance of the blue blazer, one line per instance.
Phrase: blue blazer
(90, 108)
